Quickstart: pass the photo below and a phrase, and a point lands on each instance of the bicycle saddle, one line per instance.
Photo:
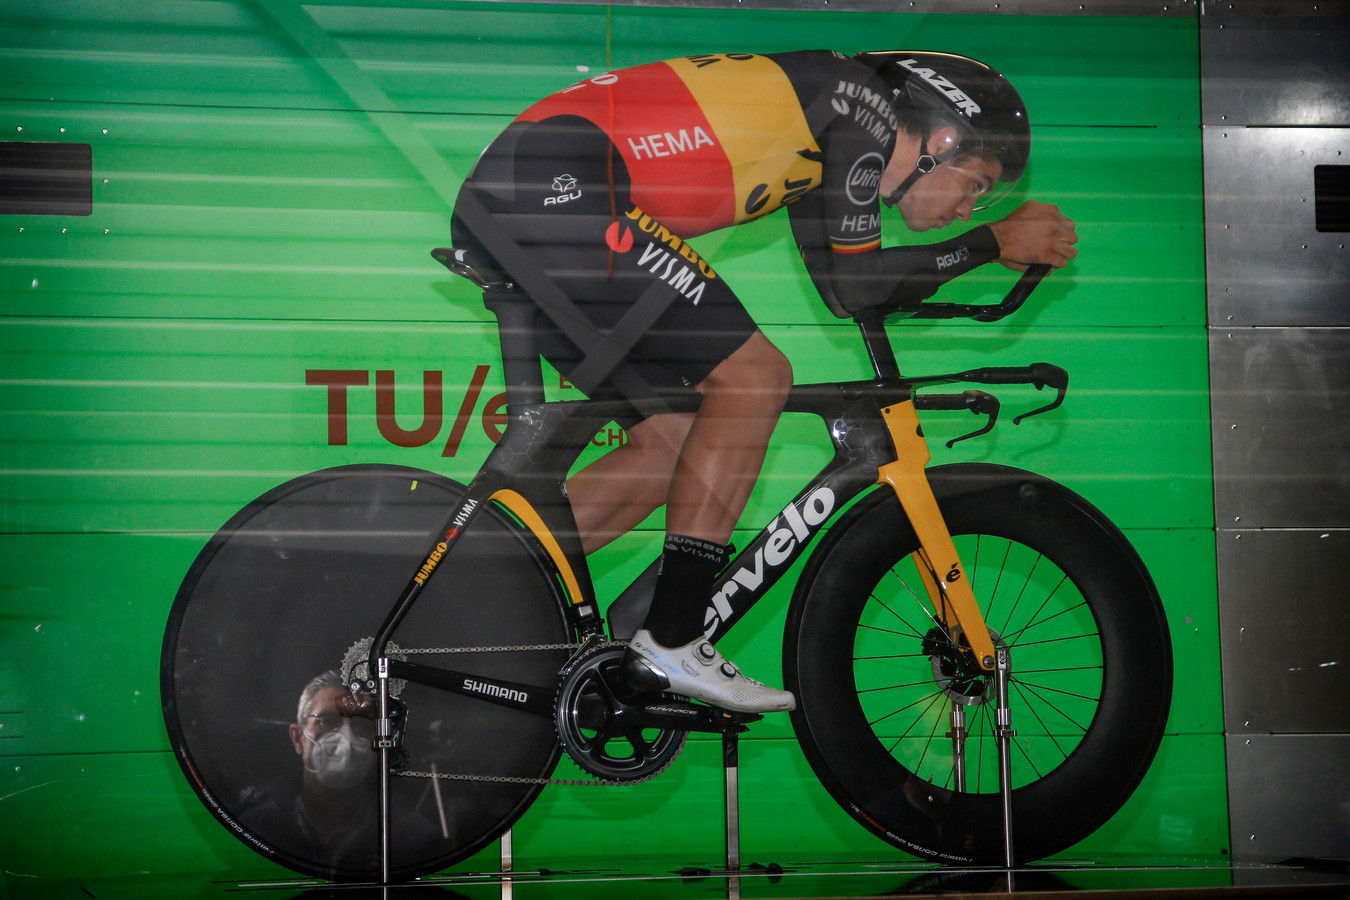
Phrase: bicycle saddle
(474, 265)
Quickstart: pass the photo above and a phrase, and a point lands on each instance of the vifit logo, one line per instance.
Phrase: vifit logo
(784, 538)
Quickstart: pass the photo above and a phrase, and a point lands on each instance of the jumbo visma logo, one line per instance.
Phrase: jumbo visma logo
(666, 255)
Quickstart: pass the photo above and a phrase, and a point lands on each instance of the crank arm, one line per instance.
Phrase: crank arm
(682, 715)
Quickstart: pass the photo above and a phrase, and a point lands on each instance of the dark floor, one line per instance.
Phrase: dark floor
(1097, 879)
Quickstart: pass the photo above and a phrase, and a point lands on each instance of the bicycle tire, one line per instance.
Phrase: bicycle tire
(281, 592)
(1090, 683)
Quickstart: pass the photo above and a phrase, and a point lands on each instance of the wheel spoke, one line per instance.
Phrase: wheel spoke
(1032, 708)
(932, 699)
(1039, 692)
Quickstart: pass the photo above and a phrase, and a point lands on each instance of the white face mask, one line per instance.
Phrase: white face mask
(339, 759)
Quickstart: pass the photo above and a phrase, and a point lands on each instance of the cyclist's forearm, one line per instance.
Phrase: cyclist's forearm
(897, 276)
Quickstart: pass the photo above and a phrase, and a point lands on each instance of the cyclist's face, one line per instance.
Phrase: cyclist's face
(949, 193)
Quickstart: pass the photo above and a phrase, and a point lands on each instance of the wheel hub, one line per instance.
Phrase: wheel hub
(955, 669)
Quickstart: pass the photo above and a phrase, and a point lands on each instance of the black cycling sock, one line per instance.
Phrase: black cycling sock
(689, 566)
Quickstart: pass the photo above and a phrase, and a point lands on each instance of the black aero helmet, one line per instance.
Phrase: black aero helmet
(943, 89)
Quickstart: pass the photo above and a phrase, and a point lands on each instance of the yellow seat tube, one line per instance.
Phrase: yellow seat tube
(521, 509)
(947, 583)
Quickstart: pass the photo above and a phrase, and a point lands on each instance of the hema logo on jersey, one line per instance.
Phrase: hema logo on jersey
(669, 143)
(785, 536)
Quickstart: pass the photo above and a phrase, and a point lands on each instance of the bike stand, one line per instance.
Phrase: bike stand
(507, 863)
(731, 764)
(1004, 734)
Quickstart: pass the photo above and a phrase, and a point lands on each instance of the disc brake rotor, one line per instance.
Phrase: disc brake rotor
(955, 670)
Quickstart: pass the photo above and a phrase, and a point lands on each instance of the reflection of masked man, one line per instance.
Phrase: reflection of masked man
(329, 814)
(336, 750)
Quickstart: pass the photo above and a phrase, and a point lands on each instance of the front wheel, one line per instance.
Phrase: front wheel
(877, 676)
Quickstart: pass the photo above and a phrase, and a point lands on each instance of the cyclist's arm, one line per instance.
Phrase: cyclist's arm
(838, 232)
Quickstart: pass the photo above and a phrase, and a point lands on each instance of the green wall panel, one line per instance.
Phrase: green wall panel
(268, 180)
(132, 424)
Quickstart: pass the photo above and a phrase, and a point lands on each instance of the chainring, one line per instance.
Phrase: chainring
(597, 715)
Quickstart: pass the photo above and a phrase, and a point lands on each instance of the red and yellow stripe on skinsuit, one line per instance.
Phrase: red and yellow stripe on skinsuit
(709, 141)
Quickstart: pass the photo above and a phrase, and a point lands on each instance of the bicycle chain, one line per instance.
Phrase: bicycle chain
(414, 651)
(518, 779)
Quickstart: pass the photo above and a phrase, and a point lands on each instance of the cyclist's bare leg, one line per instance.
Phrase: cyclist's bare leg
(703, 467)
(616, 492)
(716, 471)
(724, 450)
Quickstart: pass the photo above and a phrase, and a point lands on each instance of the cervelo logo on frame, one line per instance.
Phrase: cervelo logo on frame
(963, 103)
(789, 530)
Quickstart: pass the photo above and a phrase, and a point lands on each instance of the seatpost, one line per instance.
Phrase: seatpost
(520, 347)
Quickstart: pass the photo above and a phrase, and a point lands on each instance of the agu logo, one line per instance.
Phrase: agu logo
(566, 186)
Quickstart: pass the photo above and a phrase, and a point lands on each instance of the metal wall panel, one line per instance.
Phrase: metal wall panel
(1281, 413)
(1267, 263)
(1289, 796)
(1266, 69)
(1282, 630)
(1275, 89)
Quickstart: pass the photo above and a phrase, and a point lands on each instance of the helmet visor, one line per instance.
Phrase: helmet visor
(981, 179)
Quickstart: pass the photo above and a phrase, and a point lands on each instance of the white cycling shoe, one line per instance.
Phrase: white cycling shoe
(699, 672)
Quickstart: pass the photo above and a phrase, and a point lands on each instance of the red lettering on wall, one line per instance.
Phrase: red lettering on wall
(432, 387)
(465, 410)
(337, 381)
(494, 418)
(493, 415)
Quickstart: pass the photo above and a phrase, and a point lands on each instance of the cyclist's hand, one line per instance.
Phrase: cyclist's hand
(1035, 232)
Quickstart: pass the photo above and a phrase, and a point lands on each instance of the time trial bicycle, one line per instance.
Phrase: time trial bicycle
(981, 660)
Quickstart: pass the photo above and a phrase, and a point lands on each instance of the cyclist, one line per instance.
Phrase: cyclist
(597, 189)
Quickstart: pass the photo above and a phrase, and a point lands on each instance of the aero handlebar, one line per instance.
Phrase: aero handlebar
(987, 312)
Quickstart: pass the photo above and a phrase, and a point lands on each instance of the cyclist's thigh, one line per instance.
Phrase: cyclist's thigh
(570, 206)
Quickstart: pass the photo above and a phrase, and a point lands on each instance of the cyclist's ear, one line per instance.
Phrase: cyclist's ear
(943, 140)
(298, 739)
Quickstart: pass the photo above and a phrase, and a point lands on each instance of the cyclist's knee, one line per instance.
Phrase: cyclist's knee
(757, 367)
